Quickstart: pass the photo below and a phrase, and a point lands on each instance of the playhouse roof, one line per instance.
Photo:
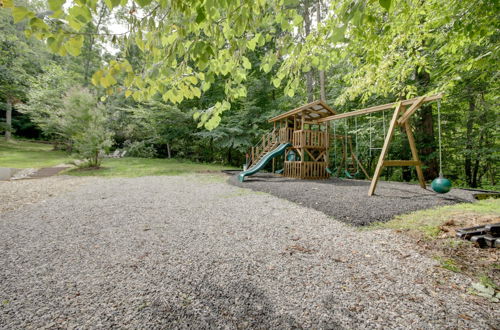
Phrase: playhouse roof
(311, 111)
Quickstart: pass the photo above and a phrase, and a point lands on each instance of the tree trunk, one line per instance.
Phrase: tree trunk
(86, 74)
(428, 142)
(469, 142)
(426, 130)
(229, 156)
(8, 120)
(477, 162)
(307, 27)
(321, 72)
(405, 154)
(169, 155)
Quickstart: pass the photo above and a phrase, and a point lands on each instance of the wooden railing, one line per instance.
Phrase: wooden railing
(285, 134)
(310, 139)
(306, 170)
(268, 141)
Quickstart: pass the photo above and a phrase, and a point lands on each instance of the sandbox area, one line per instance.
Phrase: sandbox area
(347, 200)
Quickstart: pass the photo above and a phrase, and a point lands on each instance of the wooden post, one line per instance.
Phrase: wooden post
(414, 152)
(414, 107)
(385, 149)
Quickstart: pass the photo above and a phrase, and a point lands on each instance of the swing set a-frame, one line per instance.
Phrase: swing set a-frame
(403, 110)
(304, 132)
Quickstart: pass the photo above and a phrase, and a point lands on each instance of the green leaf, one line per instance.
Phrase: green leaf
(205, 86)
(246, 63)
(112, 3)
(54, 42)
(81, 14)
(200, 17)
(6, 3)
(74, 45)
(196, 91)
(38, 24)
(19, 13)
(252, 43)
(56, 5)
(385, 3)
(74, 23)
(338, 34)
(143, 3)
(96, 78)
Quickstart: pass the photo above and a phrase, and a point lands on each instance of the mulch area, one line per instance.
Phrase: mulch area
(348, 201)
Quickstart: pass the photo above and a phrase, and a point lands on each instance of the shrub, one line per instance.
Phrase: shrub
(140, 149)
(85, 123)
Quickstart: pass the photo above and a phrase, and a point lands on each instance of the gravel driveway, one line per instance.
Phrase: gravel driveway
(187, 252)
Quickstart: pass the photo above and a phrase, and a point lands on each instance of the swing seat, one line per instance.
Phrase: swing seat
(441, 185)
(350, 175)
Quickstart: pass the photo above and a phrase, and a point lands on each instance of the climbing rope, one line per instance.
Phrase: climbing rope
(440, 184)
(383, 121)
(439, 139)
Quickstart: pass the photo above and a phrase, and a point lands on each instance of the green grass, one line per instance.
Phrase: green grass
(135, 167)
(449, 264)
(428, 221)
(26, 154)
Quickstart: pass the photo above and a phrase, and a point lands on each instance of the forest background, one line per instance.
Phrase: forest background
(199, 80)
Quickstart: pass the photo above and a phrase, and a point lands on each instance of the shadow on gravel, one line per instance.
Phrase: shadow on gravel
(211, 305)
(348, 200)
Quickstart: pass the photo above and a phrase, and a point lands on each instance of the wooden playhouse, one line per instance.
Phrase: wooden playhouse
(307, 157)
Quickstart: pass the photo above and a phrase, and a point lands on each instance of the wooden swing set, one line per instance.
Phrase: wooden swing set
(306, 130)
(403, 110)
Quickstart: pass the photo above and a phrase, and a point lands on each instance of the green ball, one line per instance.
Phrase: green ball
(441, 185)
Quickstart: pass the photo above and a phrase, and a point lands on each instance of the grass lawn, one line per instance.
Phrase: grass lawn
(135, 167)
(428, 222)
(26, 154)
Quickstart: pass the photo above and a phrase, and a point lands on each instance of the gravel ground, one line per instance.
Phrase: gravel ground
(348, 201)
(16, 193)
(185, 252)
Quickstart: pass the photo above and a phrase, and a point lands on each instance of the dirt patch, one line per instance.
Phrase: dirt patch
(91, 168)
(459, 221)
(460, 255)
(46, 172)
(208, 172)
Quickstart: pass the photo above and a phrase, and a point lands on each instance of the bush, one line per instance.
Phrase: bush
(85, 123)
(140, 149)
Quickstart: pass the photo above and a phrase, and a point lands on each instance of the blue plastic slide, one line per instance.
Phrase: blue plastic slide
(267, 157)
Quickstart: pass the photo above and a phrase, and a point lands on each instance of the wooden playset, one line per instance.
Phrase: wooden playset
(303, 136)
